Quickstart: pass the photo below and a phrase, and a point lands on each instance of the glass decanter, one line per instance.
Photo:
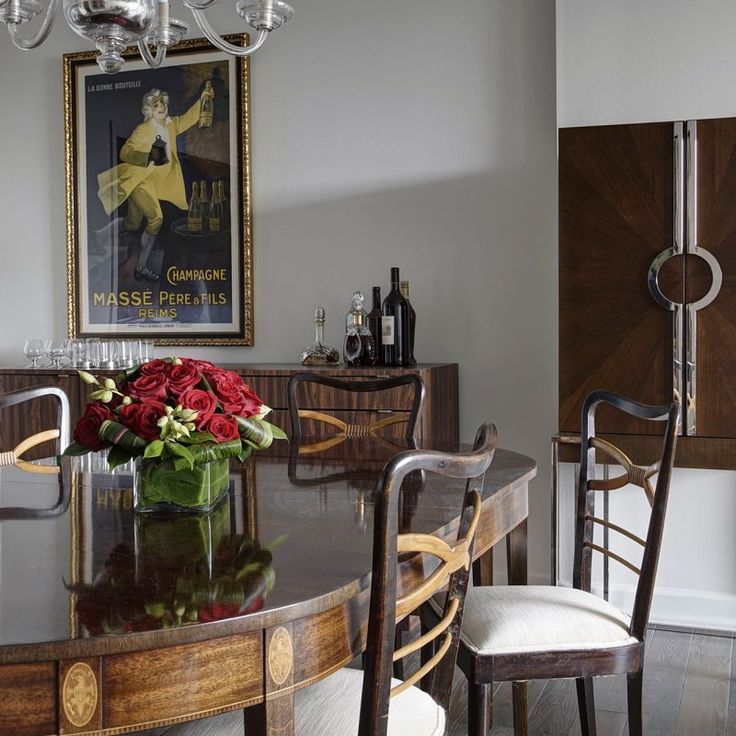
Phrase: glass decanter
(319, 353)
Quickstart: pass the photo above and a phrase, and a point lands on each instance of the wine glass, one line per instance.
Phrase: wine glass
(33, 350)
(56, 350)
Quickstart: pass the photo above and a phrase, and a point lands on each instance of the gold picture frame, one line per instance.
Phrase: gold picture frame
(142, 260)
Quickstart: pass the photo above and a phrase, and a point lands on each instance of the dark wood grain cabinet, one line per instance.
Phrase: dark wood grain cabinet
(647, 278)
(439, 417)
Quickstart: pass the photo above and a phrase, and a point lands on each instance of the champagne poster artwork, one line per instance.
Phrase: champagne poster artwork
(158, 205)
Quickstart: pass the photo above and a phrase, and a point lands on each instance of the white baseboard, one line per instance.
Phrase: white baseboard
(678, 607)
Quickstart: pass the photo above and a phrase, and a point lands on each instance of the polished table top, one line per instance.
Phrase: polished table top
(288, 535)
(113, 621)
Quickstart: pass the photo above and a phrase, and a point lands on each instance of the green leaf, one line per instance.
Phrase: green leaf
(117, 456)
(197, 438)
(278, 433)
(246, 453)
(76, 449)
(176, 449)
(271, 546)
(154, 449)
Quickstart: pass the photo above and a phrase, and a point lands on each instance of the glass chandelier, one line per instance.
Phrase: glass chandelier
(115, 24)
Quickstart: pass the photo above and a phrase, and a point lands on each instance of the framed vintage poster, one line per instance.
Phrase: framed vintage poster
(158, 198)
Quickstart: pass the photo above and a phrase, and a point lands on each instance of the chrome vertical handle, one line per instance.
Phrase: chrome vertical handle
(691, 317)
(677, 248)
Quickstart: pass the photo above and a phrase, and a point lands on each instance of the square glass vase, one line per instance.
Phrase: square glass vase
(159, 486)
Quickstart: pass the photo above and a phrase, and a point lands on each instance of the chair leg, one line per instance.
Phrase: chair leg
(634, 688)
(586, 705)
(519, 702)
(480, 709)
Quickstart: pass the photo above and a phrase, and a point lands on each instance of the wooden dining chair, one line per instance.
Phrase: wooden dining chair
(305, 383)
(13, 457)
(371, 702)
(520, 633)
(60, 433)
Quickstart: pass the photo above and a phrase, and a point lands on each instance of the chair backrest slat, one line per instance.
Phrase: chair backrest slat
(638, 475)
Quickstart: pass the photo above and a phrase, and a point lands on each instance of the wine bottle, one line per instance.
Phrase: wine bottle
(205, 200)
(395, 325)
(215, 219)
(207, 106)
(194, 216)
(225, 207)
(412, 321)
(373, 322)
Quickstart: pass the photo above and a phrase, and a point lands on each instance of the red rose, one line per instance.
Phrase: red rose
(234, 395)
(143, 418)
(203, 402)
(146, 388)
(222, 427)
(127, 413)
(87, 431)
(182, 377)
(200, 365)
(155, 366)
(211, 371)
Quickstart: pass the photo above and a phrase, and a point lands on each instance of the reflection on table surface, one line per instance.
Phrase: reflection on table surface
(291, 528)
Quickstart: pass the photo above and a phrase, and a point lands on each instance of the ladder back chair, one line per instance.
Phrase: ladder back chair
(520, 633)
(371, 702)
(60, 433)
(345, 430)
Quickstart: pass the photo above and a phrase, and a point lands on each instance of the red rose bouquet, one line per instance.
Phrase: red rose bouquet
(183, 420)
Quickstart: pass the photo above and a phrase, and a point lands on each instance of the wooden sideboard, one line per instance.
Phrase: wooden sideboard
(439, 417)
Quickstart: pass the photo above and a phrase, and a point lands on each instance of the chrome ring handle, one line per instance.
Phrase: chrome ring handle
(653, 279)
(716, 275)
(704, 301)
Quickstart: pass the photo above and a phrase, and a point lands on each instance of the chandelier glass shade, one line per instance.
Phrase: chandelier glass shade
(112, 25)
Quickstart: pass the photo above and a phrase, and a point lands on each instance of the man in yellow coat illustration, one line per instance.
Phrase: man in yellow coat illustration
(150, 172)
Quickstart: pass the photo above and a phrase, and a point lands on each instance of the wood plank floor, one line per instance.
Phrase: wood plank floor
(689, 690)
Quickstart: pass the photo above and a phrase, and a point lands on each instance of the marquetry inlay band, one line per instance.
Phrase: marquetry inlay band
(280, 655)
(79, 694)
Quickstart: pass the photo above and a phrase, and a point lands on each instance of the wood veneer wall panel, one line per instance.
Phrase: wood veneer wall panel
(692, 452)
(716, 324)
(616, 205)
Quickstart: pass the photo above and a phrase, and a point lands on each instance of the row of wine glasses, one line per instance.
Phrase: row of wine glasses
(90, 353)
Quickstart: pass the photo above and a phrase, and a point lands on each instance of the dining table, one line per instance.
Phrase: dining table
(114, 621)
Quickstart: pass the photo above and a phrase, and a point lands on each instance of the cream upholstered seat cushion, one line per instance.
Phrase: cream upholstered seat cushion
(502, 619)
(331, 707)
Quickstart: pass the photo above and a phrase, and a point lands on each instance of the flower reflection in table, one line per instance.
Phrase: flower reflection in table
(182, 569)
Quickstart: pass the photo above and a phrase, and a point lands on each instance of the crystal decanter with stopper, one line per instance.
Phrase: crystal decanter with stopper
(319, 353)
(359, 347)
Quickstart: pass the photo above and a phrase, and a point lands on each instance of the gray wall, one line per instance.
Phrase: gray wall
(633, 61)
(383, 134)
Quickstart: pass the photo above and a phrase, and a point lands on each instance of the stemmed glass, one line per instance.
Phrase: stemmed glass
(56, 350)
(33, 350)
